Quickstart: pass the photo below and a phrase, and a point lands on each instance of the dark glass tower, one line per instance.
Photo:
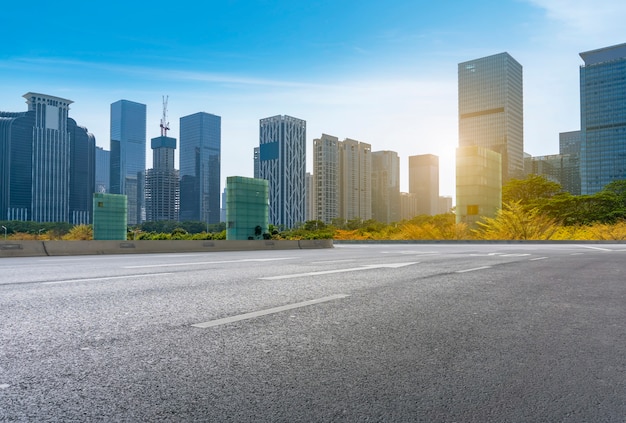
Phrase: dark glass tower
(602, 117)
(128, 155)
(46, 164)
(200, 156)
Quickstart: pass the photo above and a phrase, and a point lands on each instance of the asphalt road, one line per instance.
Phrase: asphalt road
(358, 333)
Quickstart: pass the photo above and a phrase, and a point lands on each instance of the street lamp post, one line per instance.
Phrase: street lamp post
(5, 232)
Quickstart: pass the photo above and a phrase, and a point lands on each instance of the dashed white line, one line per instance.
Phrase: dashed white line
(104, 278)
(474, 269)
(596, 248)
(204, 262)
(538, 258)
(274, 310)
(328, 272)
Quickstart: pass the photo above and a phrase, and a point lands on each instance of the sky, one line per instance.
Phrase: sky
(384, 73)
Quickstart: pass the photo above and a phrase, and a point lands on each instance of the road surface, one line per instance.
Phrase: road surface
(357, 333)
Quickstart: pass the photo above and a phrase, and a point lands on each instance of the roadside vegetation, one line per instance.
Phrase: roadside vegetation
(533, 209)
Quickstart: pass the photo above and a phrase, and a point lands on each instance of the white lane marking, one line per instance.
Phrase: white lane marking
(274, 310)
(515, 255)
(474, 269)
(105, 278)
(205, 262)
(538, 258)
(327, 272)
(331, 261)
(595, 248)
(577, 254)
(4, 386)
(407, 252)
(116, 257)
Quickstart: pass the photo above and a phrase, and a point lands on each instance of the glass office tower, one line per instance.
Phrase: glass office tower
(47, 163)
(491, 109)
(603, 117)
(128, 155)
(200, 158)
(282, 161)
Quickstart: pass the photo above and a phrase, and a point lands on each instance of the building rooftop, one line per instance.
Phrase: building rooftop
(605, 54)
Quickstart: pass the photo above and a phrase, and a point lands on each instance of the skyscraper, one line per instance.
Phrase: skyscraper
(46, 163)
(602, 117)
(82, 173)
(282, 161)
(103, 170)
(424, 182)
(491, 109)
(200, 156)
(162, 183)
(385, 186)
(128, 155)
(355, 180)
(325, 184)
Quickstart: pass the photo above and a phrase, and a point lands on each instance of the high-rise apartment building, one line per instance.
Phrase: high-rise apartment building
(424, 183)
(47, 163)
(355, 180)
(200, 168)
(491, 109)
(342, 172)
(603, 117)
(282, 162)
(325, 184)
(128, 155)
(162, 183)
(386, 186)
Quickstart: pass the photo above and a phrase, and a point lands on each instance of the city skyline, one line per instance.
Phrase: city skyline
(386, 76)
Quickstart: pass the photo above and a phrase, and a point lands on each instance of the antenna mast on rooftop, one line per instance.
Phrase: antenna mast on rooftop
(165, 125)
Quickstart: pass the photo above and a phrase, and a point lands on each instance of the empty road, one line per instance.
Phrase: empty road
(357, 333)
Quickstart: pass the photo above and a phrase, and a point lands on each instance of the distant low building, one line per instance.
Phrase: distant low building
(478, 183)
(109, 216)
(247, 208)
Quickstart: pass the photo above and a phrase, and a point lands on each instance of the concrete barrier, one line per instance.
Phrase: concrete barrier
(74, 248)
(22, 249)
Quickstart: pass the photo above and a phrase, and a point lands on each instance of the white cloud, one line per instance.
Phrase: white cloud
(596, 18)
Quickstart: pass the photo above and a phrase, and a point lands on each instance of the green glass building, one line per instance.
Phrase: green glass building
(109, 216)
(478, 183)
(247, 208)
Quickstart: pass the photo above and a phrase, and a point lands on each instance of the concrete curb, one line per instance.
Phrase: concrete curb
(74, 248)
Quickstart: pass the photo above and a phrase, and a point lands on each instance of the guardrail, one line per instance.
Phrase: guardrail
(74, 248)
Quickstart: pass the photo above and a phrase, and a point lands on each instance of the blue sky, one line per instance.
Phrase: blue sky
(382, 73)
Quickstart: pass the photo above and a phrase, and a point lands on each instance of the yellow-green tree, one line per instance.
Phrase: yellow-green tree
(514, 222)
(79, 233)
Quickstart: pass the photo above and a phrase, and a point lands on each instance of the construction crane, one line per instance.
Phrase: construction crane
(165, 125)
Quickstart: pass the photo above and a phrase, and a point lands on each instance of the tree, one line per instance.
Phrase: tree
(514, 221)
(530, 190)
(79, 233)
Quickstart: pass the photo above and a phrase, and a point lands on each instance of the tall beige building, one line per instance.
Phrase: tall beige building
(385, 186)
(341, 182)
(325, 182)
(355, 182)
(424, 182)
